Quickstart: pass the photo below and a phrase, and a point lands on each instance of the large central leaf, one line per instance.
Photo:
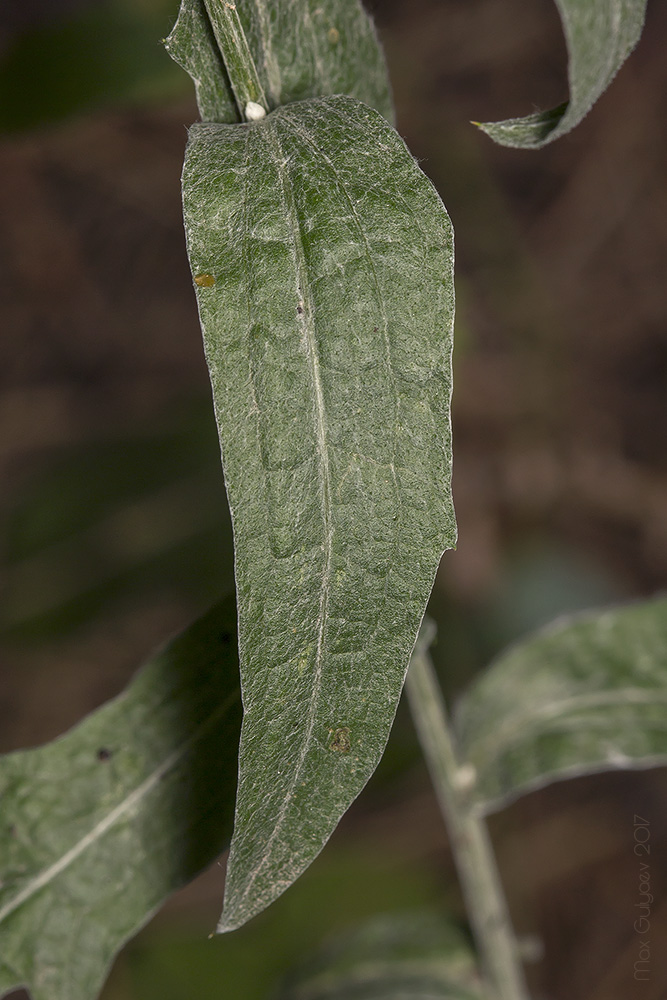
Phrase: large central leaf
(323, 263)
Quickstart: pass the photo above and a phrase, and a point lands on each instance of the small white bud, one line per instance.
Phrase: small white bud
(465, 778)
(254, 112)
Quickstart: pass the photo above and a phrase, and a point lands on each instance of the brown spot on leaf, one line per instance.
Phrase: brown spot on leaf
(341, 740)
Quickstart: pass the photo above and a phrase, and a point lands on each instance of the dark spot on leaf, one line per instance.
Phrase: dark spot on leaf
(104, 754)
(375, 329)
(11, 830)
(341, 740)
(299, 310)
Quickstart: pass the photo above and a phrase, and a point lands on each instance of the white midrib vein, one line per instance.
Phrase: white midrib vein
(307, 326)
(122, 809)
(528, 722)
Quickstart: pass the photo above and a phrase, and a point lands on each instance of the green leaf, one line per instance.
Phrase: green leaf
(323, 262)
(301, 48)
(600, 35)
(98, 827)
(193, 46)
(587, 694)
(419, 956)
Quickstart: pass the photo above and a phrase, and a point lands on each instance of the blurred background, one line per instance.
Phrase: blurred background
(114, 527)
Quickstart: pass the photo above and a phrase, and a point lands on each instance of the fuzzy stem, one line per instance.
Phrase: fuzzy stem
(468, 834)
(239, 63)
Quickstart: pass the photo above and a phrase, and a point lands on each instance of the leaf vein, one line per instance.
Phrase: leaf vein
(122, 809)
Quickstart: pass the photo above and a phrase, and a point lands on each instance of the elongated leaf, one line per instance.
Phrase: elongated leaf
(323, 263)
(193, 46)
(302, 48)
(412, 956)
(98, 827)
(588, 694)
(600, 35)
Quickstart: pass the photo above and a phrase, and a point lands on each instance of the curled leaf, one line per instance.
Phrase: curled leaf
(600, 35)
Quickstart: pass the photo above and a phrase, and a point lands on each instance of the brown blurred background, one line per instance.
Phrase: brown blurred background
(114, 532)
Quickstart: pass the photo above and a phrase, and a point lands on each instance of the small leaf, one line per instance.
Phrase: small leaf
(419, 956)
(301, 48)
(587, 694)
(328, 339)
(98, 827)
(600, 35)
(193, 46)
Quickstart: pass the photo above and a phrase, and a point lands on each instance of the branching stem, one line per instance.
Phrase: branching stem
(239, 63)
(469, 838)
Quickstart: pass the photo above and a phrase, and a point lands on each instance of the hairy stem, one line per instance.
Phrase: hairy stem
(239, 63)
(469, 838)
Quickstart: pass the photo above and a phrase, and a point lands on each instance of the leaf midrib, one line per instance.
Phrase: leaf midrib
(306, 322)
(527, 722)
(49, 874)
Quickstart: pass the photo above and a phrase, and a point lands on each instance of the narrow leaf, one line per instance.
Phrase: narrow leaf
(600, 35)
(419, 956)
(301, 48)
(98, 827)
(588, 694)
(193, 46)
(323, 261)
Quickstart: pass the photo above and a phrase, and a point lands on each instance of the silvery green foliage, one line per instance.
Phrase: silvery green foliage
(98, 827)
(301, 48)
(600, 35)
(323, 262)
(587, 694)
(411, 956)
(193, 46)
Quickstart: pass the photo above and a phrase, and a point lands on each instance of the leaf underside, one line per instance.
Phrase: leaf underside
(585, 695)
(411, 956)
(98, 827)
(600, 35)
(323, 262)
(301, 48)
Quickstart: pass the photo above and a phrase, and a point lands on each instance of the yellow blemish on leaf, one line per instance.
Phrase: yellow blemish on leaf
(333, 35)
(204, 280)
(304, 659)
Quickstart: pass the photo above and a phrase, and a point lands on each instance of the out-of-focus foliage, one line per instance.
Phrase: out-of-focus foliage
(106, 53)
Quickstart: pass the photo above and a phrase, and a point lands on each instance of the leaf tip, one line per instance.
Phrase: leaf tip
(225, 925)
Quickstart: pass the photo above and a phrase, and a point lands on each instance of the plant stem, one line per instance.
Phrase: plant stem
(468, 834)
(239, 63)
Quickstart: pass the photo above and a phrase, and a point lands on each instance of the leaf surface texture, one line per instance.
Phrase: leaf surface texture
(323, 263)
(99, 826)
(588, 694)
(301, 48)
(600, 35)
